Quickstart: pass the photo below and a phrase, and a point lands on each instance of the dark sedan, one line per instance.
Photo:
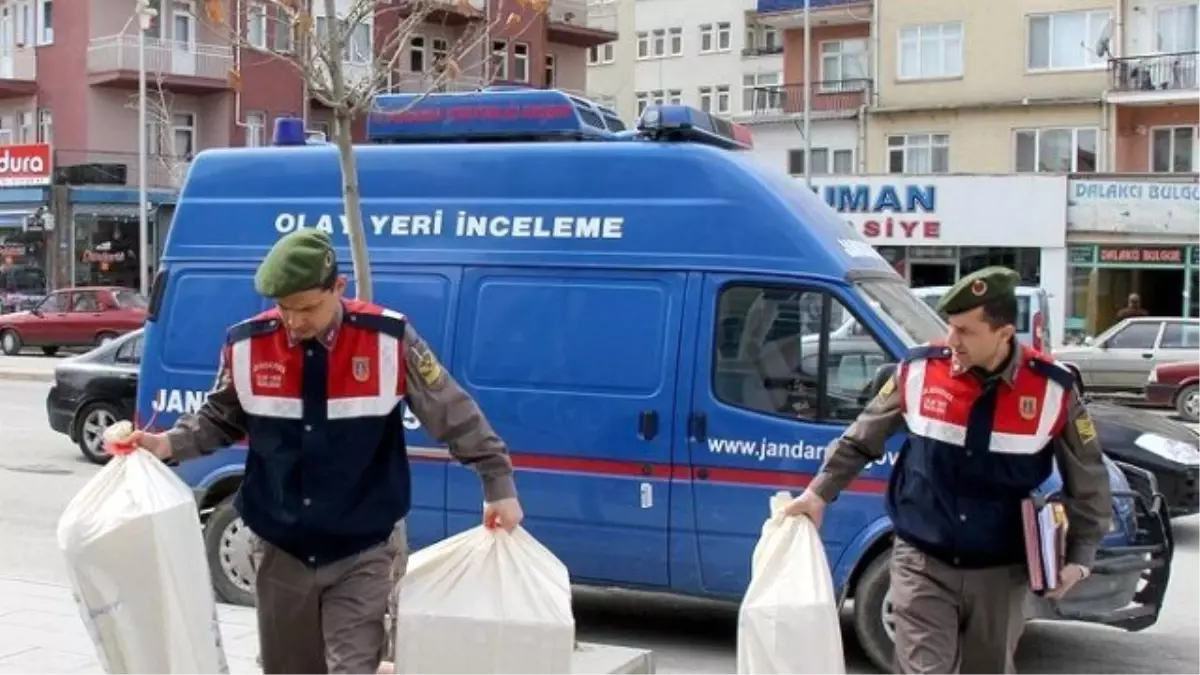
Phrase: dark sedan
(93, 390)
(1169, 450)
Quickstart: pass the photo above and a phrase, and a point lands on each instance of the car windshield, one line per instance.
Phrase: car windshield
(913, 320)
(131, 300)
(932, 299)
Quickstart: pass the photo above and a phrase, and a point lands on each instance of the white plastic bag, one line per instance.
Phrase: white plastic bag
(788, 622)
(485, 601)
(136, 558)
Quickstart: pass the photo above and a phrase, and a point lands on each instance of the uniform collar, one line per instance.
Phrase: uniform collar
(329, 337)
(1007, 372)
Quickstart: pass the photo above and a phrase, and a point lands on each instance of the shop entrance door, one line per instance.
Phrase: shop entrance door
(926, 273)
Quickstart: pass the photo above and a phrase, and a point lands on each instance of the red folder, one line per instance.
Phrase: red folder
(1045, 531)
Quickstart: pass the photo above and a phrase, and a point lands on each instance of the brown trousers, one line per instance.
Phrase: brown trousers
(332, 619)
(951, 620)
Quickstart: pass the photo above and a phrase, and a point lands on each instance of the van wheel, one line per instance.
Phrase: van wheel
(1187, 403)
(873, 622)
(227, 543)
(10, 342)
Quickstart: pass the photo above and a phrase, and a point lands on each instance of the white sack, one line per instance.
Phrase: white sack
(485, 601)
(788, 622)
(136, 558)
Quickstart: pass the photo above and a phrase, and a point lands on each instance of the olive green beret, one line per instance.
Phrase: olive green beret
(300, 261)
(979, 288)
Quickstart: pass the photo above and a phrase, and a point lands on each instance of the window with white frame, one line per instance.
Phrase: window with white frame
(642, 99)
(675, 41)
(658, 43)
(643, 44)
(724, 36)
(358, 43)
(282, 22)
(499, 60)
(675, 96)
(656, 97)
(520, 62)
(762, 39)
(930, 51)
(6, 130)
(256, 25)
(843, 65)
(551, 74)
(256, 129)
(706, 98)
(45, 26)
(843, 162)
(416, 54)
(724, 100)
(1176, 28)
(1065, 40)
(25, 25)
(1173, 149)
(26, 129)
(1056, 150)
(824, 162)
(440, 51)
(45, 126)
(177, 142)
(761, 93)
(708, 38)
(602, 54)
(918, 153)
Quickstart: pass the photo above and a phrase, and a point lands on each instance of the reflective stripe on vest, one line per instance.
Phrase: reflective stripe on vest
(952, 429)
(385, 365)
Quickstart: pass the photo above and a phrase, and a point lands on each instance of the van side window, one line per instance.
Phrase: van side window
(769, 359)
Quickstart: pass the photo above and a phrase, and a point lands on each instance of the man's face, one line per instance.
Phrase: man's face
(974, 341)
(308, 313)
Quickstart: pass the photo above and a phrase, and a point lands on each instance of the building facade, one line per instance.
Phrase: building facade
(68, 103)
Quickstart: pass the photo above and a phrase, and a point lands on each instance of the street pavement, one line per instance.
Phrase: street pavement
(41, 632)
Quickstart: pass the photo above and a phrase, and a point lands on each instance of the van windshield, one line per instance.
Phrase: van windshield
(913, 320)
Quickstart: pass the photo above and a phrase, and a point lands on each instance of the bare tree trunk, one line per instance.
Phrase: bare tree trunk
(345, 145)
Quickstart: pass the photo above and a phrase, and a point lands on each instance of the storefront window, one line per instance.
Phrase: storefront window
(1026, 261)
(106, 250)
(1078, 284)
(1194, 293)
(22, 262)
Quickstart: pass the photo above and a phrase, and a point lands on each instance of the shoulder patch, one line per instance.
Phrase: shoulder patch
(1085, 427)
(1060, 374)
(252, 328)
(927, 352)
(888, 387)
(388, 323)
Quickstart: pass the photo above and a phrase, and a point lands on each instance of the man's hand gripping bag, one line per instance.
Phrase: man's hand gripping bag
(485, 601)
(788, 622)
(136, 559)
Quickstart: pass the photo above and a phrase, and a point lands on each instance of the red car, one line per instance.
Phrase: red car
(1176, 385)
(74, 317)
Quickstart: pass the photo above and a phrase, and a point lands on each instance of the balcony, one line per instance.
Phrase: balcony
(784, 14)
(118, 169)
(447, 12)
(833, 99)
(1154, 79)
(567, 24)
(18, 73)
(180, 67)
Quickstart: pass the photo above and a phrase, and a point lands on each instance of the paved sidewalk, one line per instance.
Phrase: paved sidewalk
(29, 368)
(41, 632)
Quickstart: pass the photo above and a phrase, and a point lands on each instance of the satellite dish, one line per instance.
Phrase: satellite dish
(1103, 46)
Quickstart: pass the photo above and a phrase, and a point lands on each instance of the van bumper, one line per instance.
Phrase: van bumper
(1111, 595)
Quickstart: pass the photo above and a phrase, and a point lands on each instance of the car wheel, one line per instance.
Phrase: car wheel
(92, 421)
(1187, 403)
(50, 350)
(227, 542)
(105, 337)
(10, 342)
(873, 622)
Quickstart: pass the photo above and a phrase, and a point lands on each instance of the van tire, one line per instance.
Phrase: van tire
(869, 597)
(225, 523)
(10, 342)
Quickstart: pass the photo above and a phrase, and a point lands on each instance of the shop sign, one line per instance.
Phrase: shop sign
(1142, 255)
(1136, 207)
(948, 211)
(25, 165)
(1081, 255)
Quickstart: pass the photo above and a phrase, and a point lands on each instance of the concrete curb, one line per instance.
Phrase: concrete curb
(26, 376)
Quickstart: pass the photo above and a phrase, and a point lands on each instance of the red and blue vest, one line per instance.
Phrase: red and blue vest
(975, 449)
(327, 474)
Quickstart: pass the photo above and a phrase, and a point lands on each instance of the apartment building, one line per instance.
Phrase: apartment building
(68, 105)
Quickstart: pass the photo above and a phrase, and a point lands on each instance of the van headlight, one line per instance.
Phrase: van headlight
(1169, 448)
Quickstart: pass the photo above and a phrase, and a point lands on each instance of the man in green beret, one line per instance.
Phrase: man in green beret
(985, 419)
(317, 387)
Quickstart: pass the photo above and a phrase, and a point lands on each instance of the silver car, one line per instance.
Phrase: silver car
(1121, 358)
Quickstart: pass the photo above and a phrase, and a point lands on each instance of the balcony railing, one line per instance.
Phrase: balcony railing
(829, 98)
(167, 57)
(20, 65)
(1154, 72)
(762, 51)
(766, 6)
(121, 168)
(568, 11)
(415, 83)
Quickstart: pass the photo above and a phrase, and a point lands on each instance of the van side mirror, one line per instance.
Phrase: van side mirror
(882, 375)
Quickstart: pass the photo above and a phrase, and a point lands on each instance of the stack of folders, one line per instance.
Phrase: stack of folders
(1045, 541)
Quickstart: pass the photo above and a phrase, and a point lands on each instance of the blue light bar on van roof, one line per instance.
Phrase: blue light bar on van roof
(496, 114)
(680, 122)
(289, 131)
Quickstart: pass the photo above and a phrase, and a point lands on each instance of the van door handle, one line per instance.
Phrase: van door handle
(697, 426)
(648, 425)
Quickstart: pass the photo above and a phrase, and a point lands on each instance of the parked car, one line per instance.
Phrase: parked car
(1165, 448)
(93, 390)
(1120, 359)
(1176, 385)
(1033, 313)
(74, 317)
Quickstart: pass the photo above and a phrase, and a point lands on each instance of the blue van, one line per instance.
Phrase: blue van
(644, 317)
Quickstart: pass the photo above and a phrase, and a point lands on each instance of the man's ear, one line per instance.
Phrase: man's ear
(339, 286)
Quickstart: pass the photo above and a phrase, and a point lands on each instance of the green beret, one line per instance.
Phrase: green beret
(299, 261)
(979, 288)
